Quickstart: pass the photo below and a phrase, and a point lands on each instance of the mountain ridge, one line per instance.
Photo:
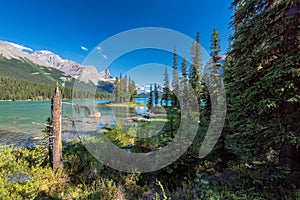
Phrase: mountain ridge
(49, 59)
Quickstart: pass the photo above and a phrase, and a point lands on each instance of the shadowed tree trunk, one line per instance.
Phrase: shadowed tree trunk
(56, 129)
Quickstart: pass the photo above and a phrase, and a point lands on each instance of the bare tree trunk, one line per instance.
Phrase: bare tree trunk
(56, 129)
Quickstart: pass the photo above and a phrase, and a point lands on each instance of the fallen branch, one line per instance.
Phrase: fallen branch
(48, 125)
(77, 108)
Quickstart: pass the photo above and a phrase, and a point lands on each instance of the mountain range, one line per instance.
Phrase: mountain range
(49, 61)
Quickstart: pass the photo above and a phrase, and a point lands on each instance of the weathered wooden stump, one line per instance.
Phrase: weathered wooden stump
(56, 129)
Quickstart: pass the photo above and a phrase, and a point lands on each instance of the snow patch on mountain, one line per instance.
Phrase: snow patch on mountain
(47, 58)
(21, 47)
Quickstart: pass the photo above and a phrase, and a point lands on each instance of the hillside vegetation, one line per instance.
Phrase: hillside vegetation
(23, 80)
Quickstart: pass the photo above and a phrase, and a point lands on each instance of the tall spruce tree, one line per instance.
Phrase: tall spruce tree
(132, 90)
(175, 81)
(195, 76)
(263, 81)
(213, 95)
(116, 90)
(184, 82)
(150, 98)
(166, 90)
(126, 89)
(212, 77)
(155, 94)
(215, 48)
(121, 91)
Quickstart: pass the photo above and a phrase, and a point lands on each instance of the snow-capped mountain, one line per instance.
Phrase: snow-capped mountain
(76, 70)
(53, 60)
(47, 58)
(10, 50)
(105, 75)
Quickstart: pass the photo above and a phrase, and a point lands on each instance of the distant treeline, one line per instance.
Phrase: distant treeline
(13, 89)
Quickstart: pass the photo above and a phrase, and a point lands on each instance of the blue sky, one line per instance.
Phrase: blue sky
(65, 26)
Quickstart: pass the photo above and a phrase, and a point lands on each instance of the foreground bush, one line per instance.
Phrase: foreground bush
(26, 174)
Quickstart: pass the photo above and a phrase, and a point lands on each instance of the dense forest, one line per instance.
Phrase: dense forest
(24, 80)
(12, 89)
(257, 155)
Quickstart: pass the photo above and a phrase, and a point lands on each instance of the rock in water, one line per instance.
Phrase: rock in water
(95, 115)
(138, 119)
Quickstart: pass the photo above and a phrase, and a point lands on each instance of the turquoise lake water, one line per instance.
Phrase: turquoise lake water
(16, 118)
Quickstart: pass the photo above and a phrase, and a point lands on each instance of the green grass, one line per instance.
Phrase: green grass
(130, 104)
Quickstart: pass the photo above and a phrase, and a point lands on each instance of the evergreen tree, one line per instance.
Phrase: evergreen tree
(150, 98)
(116, 90)
(126, 89)
(212, 77)
(166, 90)
(212, 94)
(132, 90)
(120, 91)
(175, 81)
(215, 48)
(155, 94)
(184, 81)
(195, 76)
(262, 81)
